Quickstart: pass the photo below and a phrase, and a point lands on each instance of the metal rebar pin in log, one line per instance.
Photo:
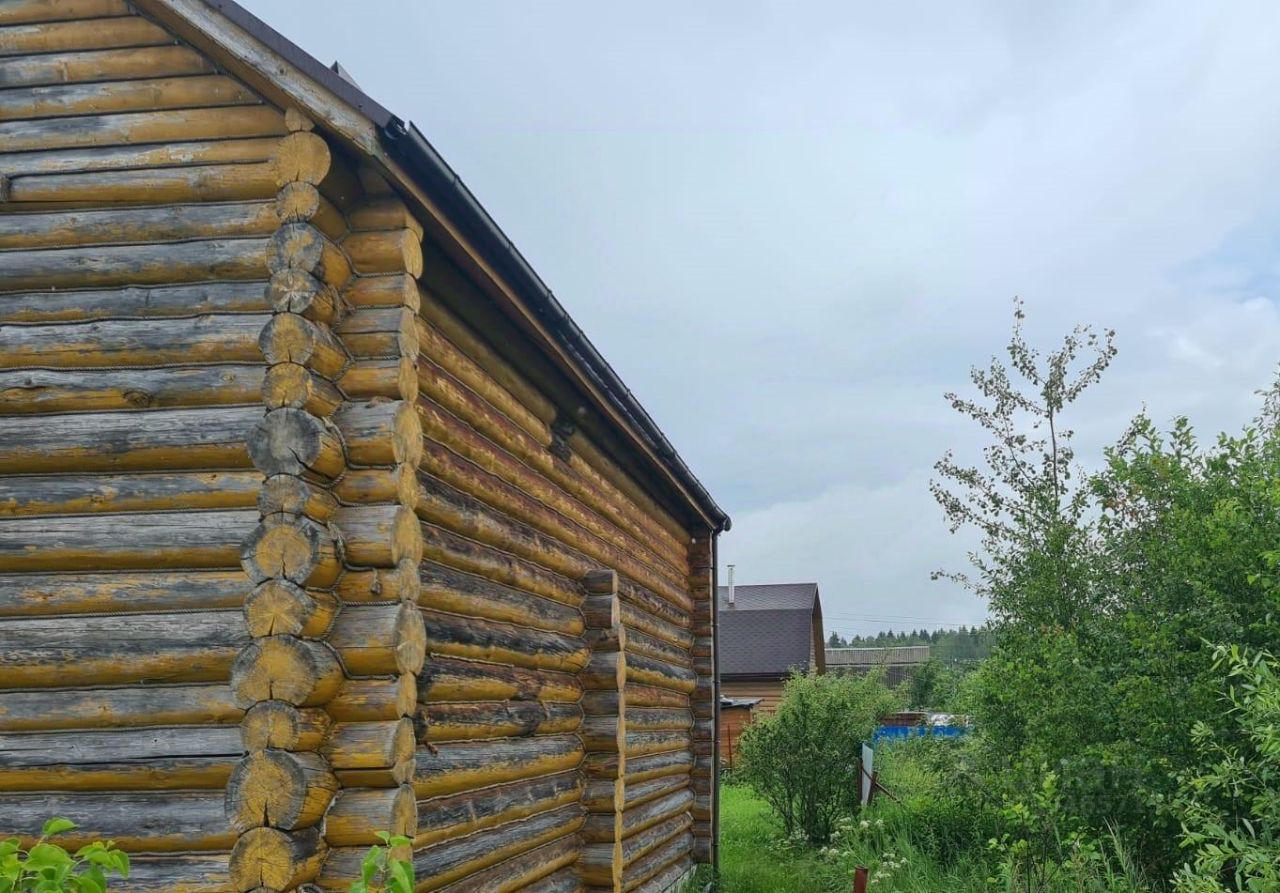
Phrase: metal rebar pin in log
(860, 879)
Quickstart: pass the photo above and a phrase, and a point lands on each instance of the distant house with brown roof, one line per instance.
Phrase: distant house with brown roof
(767, 632)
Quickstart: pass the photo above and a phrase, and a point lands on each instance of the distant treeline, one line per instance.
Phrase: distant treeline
(948, 645)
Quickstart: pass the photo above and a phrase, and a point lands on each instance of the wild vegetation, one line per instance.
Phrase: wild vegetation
(1127, 722)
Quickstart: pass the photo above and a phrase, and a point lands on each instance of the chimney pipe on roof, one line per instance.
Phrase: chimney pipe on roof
(731, 593)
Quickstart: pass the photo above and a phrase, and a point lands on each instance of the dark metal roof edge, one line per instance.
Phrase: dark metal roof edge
(416, 151)
(440, 180)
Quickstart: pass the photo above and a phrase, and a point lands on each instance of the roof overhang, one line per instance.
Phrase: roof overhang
(285, 74)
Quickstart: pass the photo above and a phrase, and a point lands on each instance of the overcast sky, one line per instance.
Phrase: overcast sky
(792, 226)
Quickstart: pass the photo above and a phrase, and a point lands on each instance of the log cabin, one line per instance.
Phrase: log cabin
(319, 517)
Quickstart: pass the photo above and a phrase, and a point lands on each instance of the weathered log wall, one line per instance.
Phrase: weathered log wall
(534, 541)
(137, 211)
(292, 550)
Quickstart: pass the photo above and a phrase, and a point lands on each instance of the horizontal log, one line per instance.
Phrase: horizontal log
(447, 862)
(446, 547)
(380, 433)
(650, 646)
(385, 251)
(176, 758)
(202, 873)
(466, 765)
(54, 37)
(648, 671)
(379, 535)
(379, 584)
(606, 671)
(161, 492)
(358, 815)
(279, 789)
(367, 700)
(673, 853)
(182, 125)
(544, 869)
(445, 818)
(138, 540)
(602, 733)
(30, 391)
(395, 290)
(165, 223)
(149, 821)
(377, 640)
(102, 65)
(393, 379)
(168, 439)
(488, 640)
(271, 859)
(139, 705)
(565, 880)
(600, 828)
(447, 679)
(388, 744)
(188, 647)
(372, 332)
(497, 719)
(363, 486)
(25, 595)
(458, 592)
(203, 183)
(640, 620)
(640, 792)
(608, 702)
(388, 213)
(152, 94)
(145, 264)
(642, 743)
(284, 668)
(638, 768)
(22, 12)
(137, 302)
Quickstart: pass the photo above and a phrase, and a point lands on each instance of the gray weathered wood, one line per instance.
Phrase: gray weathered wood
(452, 767)
(25, 595)
(163, 223)
(134, 302)
(209, 704)
(27, 391)
(150, 821)
(97, 493)
(187, 647)
(138, 540)
(104, 265)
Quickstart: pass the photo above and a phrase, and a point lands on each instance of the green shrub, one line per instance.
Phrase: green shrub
(382, 870)
(1230, 808)
(48, 868)
(804, 761)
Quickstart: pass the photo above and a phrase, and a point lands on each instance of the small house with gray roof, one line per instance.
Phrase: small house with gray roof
(767, 632)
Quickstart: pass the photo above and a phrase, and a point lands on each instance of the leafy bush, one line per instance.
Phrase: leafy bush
(383, 870)
(1230, 809)
(48, 868)
(805, 759)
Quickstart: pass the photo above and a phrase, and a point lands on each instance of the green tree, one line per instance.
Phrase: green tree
(805, 759)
